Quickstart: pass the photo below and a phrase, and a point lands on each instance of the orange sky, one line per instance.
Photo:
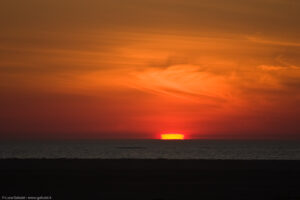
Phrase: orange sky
(134, 69)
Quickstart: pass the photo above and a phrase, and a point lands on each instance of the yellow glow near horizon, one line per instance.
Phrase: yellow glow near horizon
(173, 136)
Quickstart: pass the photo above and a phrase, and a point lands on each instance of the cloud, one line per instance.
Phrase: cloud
(271, 68)
(272, 42)
(182, 81)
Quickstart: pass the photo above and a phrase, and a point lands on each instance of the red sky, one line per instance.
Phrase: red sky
(134, 69)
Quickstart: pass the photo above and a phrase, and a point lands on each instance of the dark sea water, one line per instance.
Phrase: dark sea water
(187, 149)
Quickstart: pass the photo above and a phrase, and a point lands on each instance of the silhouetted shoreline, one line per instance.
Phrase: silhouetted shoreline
(150, 178)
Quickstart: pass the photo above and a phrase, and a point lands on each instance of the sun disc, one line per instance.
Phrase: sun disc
(172, 136)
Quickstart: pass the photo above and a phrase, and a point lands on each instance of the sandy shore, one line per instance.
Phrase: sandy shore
(149, 179)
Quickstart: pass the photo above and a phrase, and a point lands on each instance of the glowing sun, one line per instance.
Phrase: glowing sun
(172, 136)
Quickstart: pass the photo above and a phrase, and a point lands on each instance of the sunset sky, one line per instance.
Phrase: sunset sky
(138, 68)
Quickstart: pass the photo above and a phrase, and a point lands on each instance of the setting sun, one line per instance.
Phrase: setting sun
(172, 136)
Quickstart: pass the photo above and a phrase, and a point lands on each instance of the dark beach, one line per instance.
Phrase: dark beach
(150, 179)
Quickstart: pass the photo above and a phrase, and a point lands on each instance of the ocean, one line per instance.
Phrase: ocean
(153, 149)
